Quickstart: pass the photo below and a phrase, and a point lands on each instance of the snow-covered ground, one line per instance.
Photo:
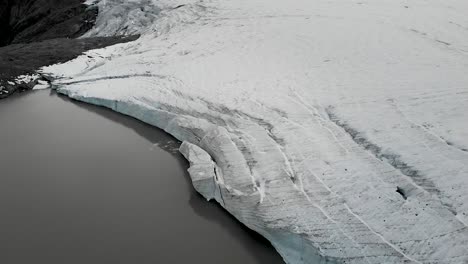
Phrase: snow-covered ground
(336, 129)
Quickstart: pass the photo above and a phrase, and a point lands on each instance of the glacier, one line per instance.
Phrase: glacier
(336, 129)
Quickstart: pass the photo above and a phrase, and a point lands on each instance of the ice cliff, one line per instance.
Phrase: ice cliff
(336, 129)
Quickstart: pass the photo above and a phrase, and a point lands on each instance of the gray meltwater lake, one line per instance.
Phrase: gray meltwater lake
(82, 184)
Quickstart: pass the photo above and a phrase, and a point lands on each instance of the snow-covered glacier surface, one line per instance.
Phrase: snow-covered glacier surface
(336, 129)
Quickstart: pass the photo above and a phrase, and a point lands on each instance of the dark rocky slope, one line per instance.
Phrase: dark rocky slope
(19, 59)
(36, 33)
(23, 21)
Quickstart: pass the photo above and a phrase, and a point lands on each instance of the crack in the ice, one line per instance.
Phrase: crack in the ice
(248, 155)
(268, 127)
(433, 237)
(365, 257)
(392, 159)
(451, 144)
(219, 186)
(426, 129)
(380, 236)
(318, 117)
(124, 76)
(402, 192)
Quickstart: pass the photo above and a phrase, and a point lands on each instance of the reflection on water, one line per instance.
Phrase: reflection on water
(82, 184)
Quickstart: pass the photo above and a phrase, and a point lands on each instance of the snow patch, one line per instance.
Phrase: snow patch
(41, 85)
(26, 78)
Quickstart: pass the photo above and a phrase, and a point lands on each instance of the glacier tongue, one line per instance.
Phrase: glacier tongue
(335, 129)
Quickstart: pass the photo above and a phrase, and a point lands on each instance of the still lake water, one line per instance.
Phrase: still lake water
(82, 184)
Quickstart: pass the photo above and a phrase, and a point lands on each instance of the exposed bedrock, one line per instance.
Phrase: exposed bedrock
(24, 59)
(43, 32)
(23, 21)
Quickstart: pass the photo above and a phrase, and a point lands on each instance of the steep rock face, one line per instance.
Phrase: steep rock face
(27, 21)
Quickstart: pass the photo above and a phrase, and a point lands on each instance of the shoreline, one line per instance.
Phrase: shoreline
(346, 153)
(195, 222)
(18, 60)
(39, 33)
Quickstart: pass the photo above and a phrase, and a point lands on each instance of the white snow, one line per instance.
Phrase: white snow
(26, 78)
(303, 118)
(41, 85)
(3, 90)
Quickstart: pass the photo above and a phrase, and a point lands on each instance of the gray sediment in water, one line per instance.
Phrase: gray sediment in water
(83, 184)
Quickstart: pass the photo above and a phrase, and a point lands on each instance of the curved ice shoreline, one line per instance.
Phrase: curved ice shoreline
(333, 155)
(207, 175)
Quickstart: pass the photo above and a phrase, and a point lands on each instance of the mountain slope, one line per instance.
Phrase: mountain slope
(27, 21)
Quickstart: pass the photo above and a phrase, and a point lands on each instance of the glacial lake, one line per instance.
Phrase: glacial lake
(80, 184)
